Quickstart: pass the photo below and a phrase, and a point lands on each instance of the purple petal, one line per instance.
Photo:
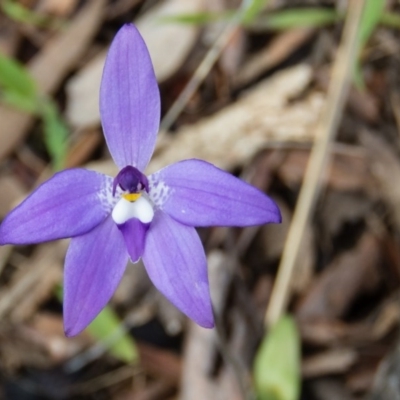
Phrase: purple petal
(175, 261)
(94, 265)
(129, 100)
(197, 193)
(134, 233)
(71, 203)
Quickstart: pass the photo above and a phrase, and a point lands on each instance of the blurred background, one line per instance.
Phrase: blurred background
(259, 88)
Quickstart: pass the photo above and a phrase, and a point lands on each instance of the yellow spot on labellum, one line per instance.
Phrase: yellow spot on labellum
(131, 196)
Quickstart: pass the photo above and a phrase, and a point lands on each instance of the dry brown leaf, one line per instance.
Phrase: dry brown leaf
(201, 344)
(232, 136)
(61, 8)
(81, 150)
(360, 102)
(348, 169)
(38, 293)
(343, 281)
(161, 363)
(49, 68)
(83, 94)
(34, 282)
(385, 168)
(328, 331)
(47, 331)
(9, 36)
(387, 319)
(341, 207)
(330, 389)
(229, 387)
(274, 237)
(333, 361)
(387, 380)
(195, 382)
(231, 56)
(5, 252)
(159, 389)
(361, 380)
(40, 344)
(169, 44)
(11, 190)
(276, 52)
(323, 331)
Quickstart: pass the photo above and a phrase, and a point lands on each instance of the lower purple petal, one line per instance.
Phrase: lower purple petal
(197, 193)
(69, 204)
(134, 233)
(94, 265)
(175, 261)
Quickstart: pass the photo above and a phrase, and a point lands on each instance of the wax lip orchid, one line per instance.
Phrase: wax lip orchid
(134, 216)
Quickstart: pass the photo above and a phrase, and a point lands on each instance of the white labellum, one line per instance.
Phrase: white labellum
(140, 209)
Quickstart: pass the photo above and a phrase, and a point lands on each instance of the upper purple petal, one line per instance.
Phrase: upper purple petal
(71, 203)
(175, 261)
(94, 265)
(129, 100)
(197, 193)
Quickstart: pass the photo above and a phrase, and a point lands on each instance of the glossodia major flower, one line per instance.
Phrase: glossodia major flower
(133, 216)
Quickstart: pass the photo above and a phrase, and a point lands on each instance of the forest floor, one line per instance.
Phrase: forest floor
(257, 113)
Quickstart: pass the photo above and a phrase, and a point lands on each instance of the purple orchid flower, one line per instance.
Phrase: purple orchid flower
(134, 216)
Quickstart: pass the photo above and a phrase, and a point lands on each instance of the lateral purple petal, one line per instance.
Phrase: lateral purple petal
(134, 233)
(197, 193)
(94, 265)
(71, 203)
(175, 261)
(129, 100)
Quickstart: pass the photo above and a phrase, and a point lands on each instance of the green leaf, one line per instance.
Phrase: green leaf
(14, 77)
(277, 363)
(55, 134)
(17, 87)
(372, 14)
(21, 102)
(195, 18)
(19, 13)
(104, 327)
(252, 9)
(296, 18)
(390, 19)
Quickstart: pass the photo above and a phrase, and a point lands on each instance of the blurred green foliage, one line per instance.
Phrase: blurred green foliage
(252, 8)
(297, 18)
(370, 19)
(55, 134)
(253, 17)
(18, 90)
(19, 13)
(277, 363)
(108, 329)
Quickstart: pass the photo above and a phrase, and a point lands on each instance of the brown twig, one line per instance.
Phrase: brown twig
(204, 68)
(326, 129)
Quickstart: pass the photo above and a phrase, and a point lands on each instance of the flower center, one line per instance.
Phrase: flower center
(130, 180)
(134, 202)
